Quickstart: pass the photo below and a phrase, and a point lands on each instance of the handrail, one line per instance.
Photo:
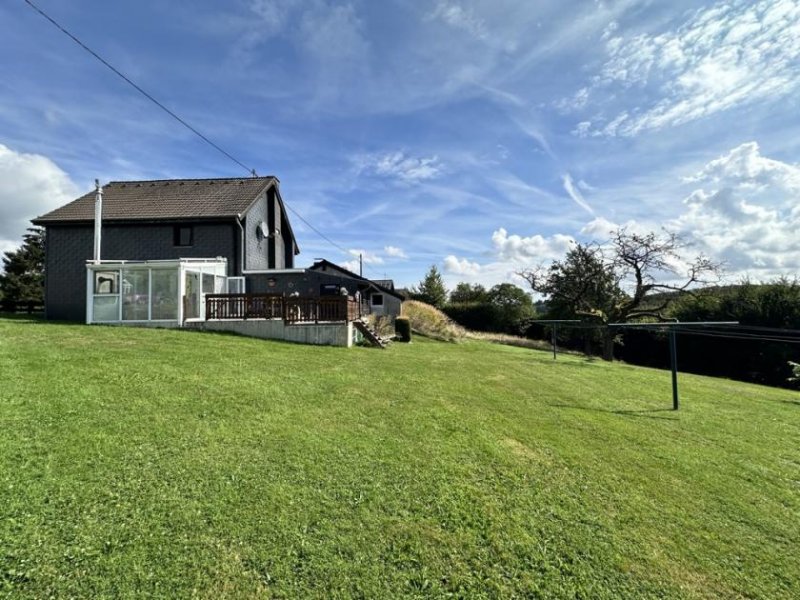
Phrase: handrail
(292, 309)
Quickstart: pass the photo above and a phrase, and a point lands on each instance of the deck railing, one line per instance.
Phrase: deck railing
(291, 309)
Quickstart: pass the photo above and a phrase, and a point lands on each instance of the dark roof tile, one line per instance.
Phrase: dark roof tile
(165, 199)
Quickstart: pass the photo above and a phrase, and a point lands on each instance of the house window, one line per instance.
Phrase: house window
(377, 299)
(329, 289)
(183, 235)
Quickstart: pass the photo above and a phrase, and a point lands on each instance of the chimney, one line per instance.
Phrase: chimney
(98, 216)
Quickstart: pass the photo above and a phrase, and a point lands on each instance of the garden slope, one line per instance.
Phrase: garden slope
(168, 463)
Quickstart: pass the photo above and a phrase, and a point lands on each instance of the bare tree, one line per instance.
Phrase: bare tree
(634, 276)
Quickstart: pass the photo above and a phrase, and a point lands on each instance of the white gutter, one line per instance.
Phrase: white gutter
(98, 217)
(272, 271)
(242, 263)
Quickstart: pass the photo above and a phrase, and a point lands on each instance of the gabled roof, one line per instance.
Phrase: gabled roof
(165, 199)
(387, 283)
(324, 265)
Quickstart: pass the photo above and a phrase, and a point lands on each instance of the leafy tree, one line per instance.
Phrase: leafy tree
(22, 280)
(513, 306)
(508, 295)
(431, 289)
(590, 281)
(465, 293)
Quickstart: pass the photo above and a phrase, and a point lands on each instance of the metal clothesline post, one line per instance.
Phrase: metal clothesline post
(554, 331)
(673, 346)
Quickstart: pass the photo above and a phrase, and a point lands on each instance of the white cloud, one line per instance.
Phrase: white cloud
(30, 185)
(746, 211)
(575, 194)
(509, 255)
(369, 258)
(599, 228)
(583, 129)
(395, 252)
(462, 266)
(734, 53)
(518, 249)
(458, 17)
(399, 166)
(575, 102)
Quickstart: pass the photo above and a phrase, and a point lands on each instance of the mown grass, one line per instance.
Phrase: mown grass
(138, 463)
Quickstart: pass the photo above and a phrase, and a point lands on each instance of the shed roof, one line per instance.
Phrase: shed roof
(165, 199)
(323, 265)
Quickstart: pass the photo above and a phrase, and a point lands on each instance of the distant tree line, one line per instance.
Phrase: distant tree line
(634, 278)
(503, 308)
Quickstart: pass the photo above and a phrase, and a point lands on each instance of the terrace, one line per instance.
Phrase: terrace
(197, 293)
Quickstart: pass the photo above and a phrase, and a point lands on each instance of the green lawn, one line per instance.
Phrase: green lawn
(140, 463)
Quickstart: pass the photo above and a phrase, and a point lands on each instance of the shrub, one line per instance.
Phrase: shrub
(431, 322)
(402, 328)
(381, 324)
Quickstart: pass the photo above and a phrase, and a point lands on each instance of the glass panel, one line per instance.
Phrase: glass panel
(208, 283)
(106, 282)
(219, 284)
(164, 294)
(192, 304)
(236, 285)
(135, 294)
(106, 308)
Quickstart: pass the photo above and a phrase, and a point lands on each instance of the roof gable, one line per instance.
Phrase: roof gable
(165, 200)
(325, 265)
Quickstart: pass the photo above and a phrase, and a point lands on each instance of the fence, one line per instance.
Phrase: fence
(290, 309)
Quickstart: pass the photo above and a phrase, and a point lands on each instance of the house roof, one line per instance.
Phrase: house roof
(165, 199)
(387, 283)
(323, 264)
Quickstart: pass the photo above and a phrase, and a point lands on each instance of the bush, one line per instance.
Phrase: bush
(402, 328)
(429, 321)
(477, 316)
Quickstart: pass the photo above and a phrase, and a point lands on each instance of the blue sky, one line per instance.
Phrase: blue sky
(483, 136)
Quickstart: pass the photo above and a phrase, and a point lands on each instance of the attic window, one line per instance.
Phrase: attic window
(183, 235)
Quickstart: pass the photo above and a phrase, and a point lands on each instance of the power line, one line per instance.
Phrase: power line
(138, 88)
(171, 113)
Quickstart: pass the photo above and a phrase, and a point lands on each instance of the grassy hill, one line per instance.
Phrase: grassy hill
(141, 463)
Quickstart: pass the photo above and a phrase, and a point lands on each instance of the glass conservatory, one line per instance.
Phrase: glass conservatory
(162, 292)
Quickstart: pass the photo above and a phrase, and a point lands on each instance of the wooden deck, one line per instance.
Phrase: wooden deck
(292, 309)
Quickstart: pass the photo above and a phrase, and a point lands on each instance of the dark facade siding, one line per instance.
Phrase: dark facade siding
(306, 284)
(277, 258)
(256, 247)
(268, 253)
(70, 246)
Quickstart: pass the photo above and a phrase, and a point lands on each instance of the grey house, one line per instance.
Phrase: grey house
(179, 252)
(239, 223)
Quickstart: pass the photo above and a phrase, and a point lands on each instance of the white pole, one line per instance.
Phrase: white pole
(98, 216)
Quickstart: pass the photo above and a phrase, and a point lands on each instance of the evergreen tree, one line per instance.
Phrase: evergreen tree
(431, 289)
(22, 280)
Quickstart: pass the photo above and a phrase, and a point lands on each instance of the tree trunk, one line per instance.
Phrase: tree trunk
(608, 345)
